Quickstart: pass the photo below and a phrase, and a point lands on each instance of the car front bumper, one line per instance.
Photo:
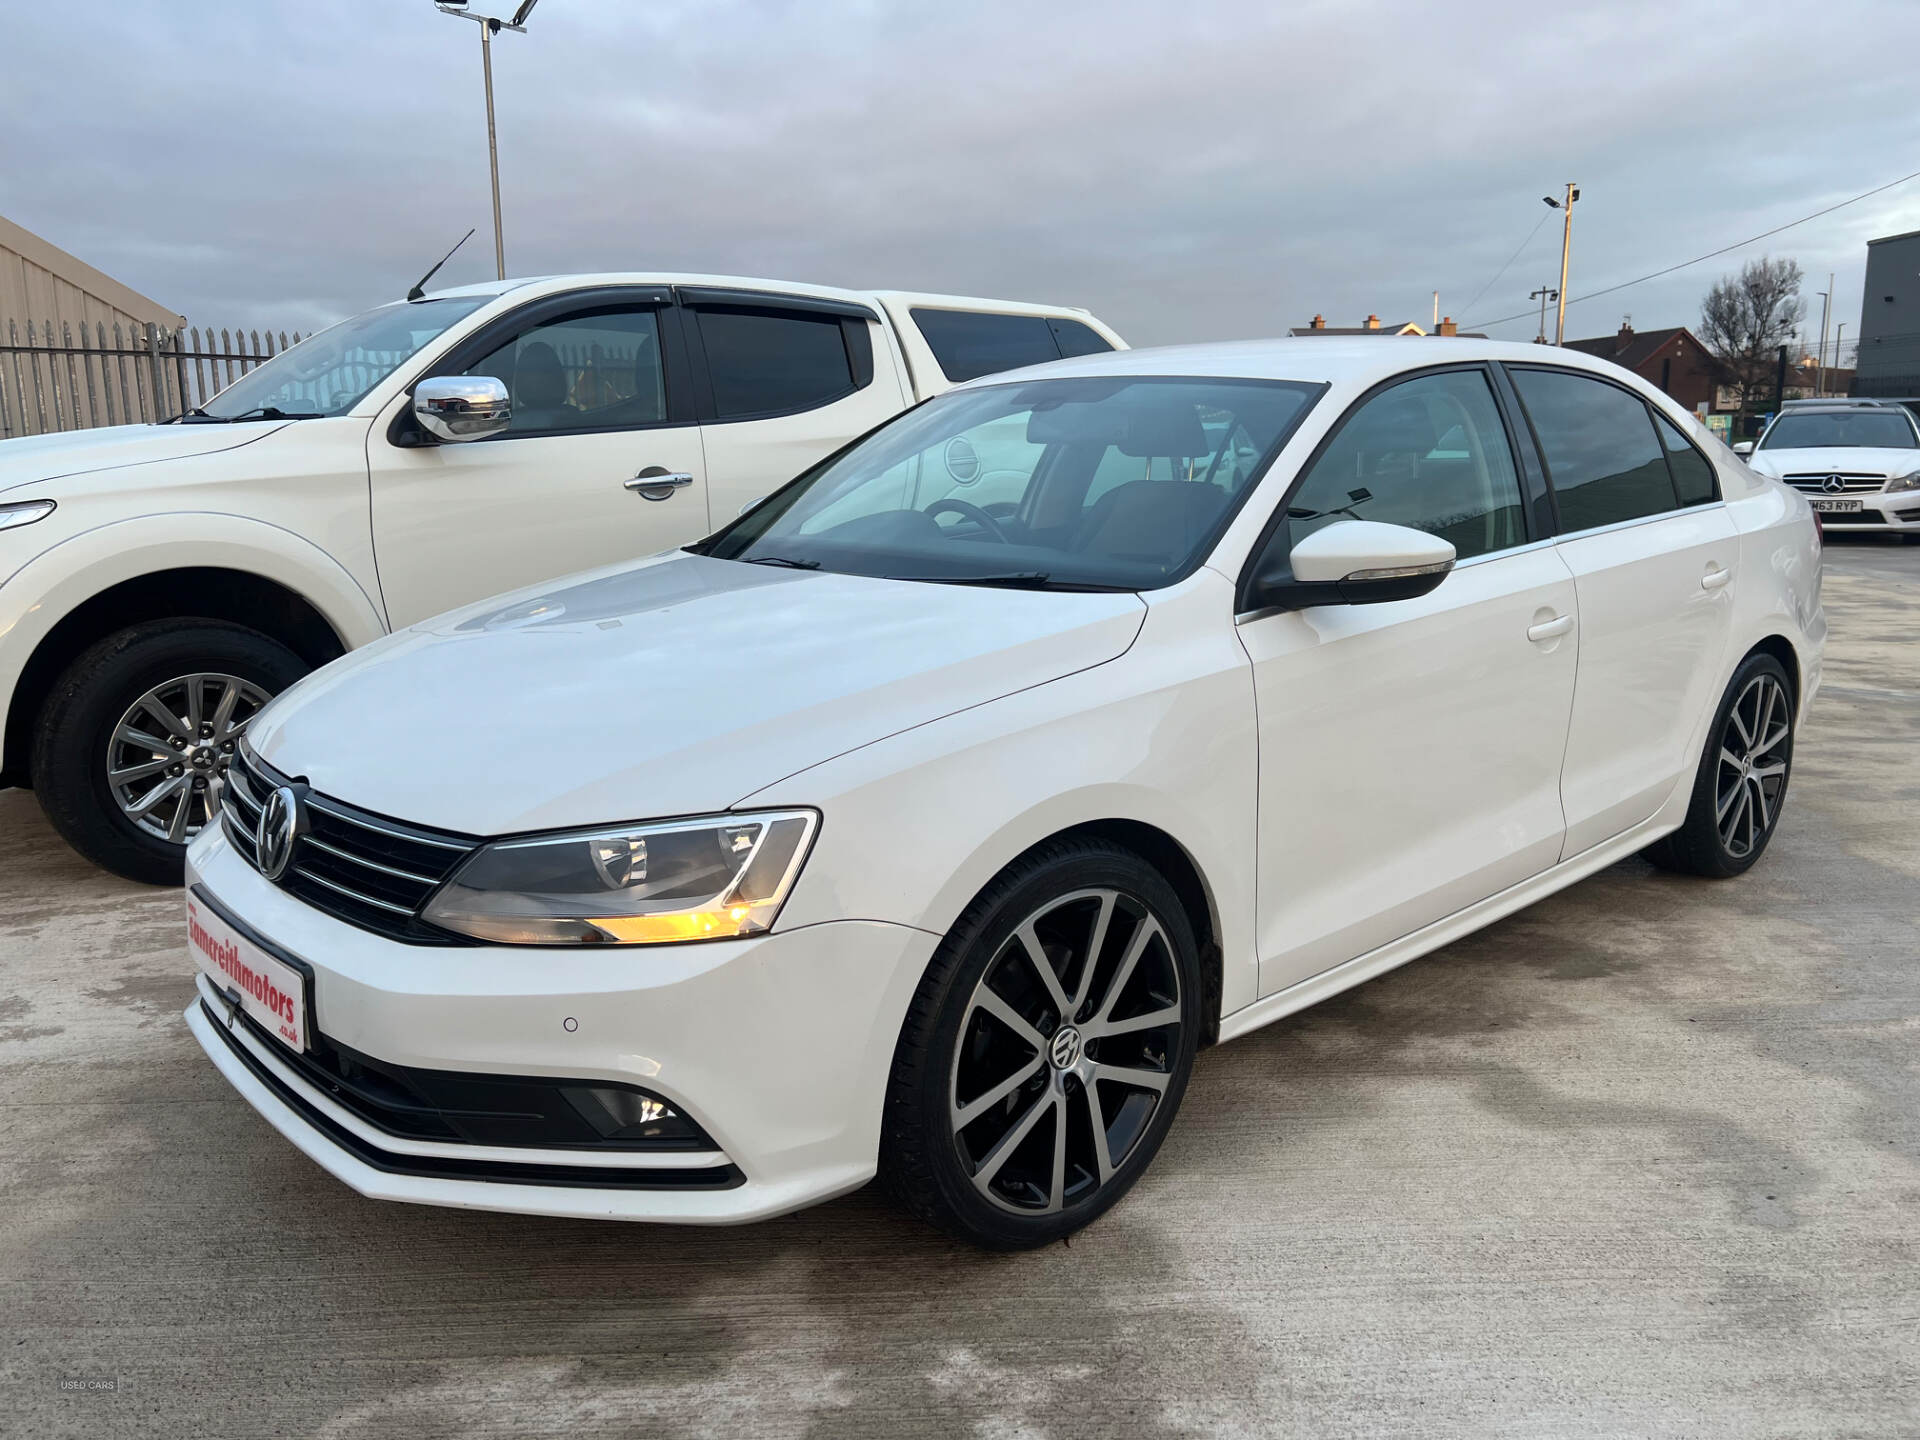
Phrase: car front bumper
(1878, 513)
(779, 1047)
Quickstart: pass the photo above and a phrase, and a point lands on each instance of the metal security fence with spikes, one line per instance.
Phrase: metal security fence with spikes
(72, 380)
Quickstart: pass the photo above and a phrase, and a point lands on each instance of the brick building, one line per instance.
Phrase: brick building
(1673, 359)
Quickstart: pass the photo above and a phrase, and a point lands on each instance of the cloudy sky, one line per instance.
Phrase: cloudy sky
(1187, 169)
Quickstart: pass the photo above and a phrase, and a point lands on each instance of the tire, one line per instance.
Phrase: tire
(90, 701)
(1721, 843)
(1040, 1187)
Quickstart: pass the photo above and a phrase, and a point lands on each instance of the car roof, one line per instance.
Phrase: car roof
(542, 284)
(1345, 363)
(553, 284)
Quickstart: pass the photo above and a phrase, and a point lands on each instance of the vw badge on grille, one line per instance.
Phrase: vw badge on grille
(279, 824)
(1833, 484)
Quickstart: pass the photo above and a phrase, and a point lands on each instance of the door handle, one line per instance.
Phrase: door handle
(1716, 576)
(656, 482)
(1550, 629)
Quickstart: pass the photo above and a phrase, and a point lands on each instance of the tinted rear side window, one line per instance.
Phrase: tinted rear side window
(1692, 472)
(1074, 338)
(969, 344)
(766, 363)
(1603, 458)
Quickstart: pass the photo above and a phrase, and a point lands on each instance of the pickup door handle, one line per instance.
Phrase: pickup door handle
(1550, 629)
(656, 482)
(1716, 576)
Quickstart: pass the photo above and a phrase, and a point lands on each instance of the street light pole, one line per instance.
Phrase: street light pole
(1820, 361)
(493, 151)
(1544, 294)
(488, 26)
(1566, 253)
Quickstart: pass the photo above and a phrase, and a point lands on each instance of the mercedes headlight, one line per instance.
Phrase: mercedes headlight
(1905, 482)
(714, 878)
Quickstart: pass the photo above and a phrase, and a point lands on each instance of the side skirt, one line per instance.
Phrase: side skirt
(1396, 953)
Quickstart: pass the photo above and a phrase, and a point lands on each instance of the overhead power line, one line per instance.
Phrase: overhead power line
(1668, 270)
(1510, 259)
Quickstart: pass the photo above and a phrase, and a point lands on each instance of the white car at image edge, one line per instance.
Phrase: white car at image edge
(1857, 463)
(909, 829)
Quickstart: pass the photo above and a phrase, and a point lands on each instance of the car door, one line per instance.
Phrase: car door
(783, 381)
(1653, 576)
(1410, 751)
(598, 382)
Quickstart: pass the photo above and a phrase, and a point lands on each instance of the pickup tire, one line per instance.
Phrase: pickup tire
(191, 665)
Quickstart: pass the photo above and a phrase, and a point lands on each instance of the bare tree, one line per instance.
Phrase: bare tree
(1744, 321)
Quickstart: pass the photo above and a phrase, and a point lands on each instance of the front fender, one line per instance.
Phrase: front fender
(915, 825)
(39, 594)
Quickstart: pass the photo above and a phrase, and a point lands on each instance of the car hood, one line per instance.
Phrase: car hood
(675, 687)
(35, 459)
(1835, 459)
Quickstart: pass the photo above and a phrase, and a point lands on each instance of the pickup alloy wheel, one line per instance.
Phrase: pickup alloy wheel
(170, 751)
(135, 735)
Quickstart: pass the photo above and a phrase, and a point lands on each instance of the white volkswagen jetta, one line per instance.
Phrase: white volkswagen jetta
(928, 819)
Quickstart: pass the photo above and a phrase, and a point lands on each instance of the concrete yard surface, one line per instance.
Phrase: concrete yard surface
(1643, 1160)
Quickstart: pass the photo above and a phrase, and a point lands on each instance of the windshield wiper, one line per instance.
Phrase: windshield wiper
(263, 412)
(783, 561)
(1011, 580)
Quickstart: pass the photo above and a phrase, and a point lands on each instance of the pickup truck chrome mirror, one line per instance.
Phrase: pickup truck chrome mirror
(454, 408)
(1355, 562)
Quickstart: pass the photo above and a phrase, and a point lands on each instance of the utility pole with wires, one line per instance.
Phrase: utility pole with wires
(488, 28)
(1566, 253)
(1546, 295)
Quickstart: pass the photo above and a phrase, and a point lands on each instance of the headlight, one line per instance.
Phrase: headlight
(1905, 482)
(706, 879)
(24, 513)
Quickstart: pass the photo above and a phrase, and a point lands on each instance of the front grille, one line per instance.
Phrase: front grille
(363, 868)
(1854, 517)
(1850, 484)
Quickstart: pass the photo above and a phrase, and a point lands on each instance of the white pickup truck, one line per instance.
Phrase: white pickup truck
(159, 583)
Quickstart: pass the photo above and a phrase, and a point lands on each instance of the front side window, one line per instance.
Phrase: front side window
(774, 362)
(1119, 483)
(972, 343)
(1603, 458)
(1846, 429)
(594, 371)
(1430, 453)
(329, 373)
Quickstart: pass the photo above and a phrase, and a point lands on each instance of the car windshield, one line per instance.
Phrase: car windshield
(328, 373)
(1103, 483)
(1869, 429)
